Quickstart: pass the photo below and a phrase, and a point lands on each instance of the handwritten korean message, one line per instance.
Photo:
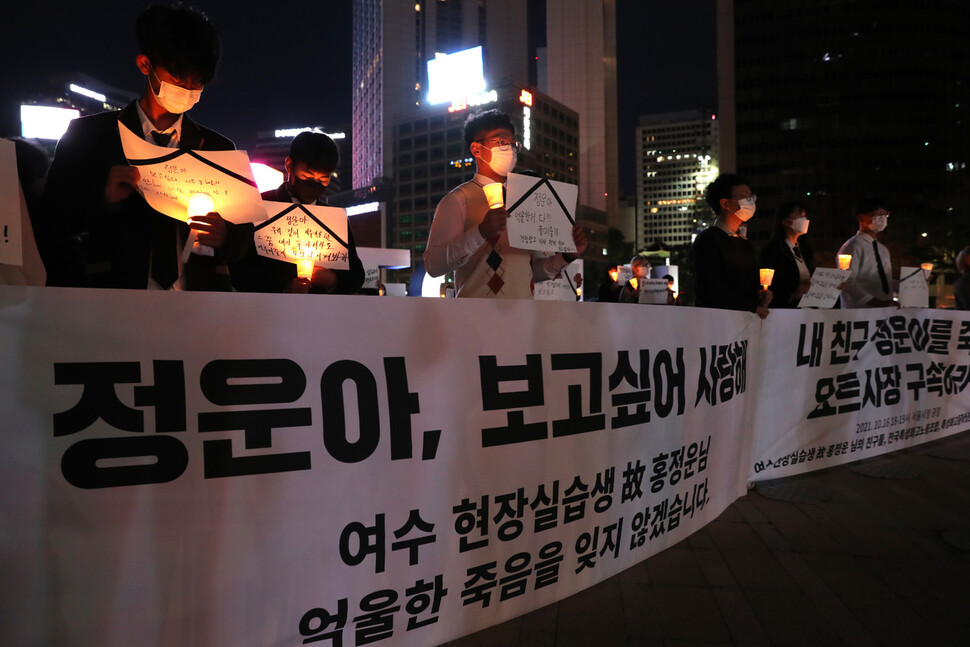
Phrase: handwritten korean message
(541, 213)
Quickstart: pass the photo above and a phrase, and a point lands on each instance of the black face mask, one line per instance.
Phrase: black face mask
(300, 188)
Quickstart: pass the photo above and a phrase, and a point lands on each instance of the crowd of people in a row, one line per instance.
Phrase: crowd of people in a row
(94, 229)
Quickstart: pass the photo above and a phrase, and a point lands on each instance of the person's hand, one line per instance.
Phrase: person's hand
(578, 280)
(121, 182)
(494, 223)
(579, 237)
(764, 299)
(298, 285)
(324, 278)
(211, 228)
(762, 311)
(802, 288)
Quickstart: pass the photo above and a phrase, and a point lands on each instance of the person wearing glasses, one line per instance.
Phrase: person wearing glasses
(791, 259)
(469, 238)
(724, 263)
(871, 282)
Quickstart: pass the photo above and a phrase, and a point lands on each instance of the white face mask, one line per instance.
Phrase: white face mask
(800, 225)
(879, 223)
(175, 99)
(503, 161)
(747, 208)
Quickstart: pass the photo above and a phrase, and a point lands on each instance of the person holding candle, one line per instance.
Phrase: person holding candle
(792, 259)
(724, 264)
(630, 293)
(870, 285)
(468, 234)
(116, 240)
(312, 160)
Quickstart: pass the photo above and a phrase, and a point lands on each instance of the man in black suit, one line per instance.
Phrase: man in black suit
(312, 160)
(104, 233)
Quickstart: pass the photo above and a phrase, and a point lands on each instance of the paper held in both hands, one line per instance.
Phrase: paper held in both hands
(169, 176)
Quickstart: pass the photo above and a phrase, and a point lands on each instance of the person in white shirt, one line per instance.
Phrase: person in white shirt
(469, 238)
(871, 282)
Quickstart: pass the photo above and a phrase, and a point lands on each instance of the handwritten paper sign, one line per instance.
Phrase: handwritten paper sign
(564, 286)
(169, 176)
(11, 236)
(298, 231)
(914, 292)
(372, 274)
(653, 291)
(824, 290)
(542, 213)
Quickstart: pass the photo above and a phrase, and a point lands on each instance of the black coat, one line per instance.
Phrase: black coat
(778, 256)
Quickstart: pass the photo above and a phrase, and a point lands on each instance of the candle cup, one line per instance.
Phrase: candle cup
(304, 268)
(766, 274)
(927, 270)
(493, 193)
(845, 261)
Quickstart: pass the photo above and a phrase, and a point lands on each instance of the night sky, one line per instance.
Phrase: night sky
(288, 64)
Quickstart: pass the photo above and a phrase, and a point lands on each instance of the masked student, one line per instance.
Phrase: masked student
(724, 263)
(871, 284)
(469, 238)
(106, 232)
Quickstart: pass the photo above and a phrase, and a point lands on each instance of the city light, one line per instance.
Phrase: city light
(45, 122)
(367, 207)
(456, 76)
(526, 98)
(88, 93)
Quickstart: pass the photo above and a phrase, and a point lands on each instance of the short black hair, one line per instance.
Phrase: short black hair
(316, 150)
(869, 204)
(721, 188)
(180, 39)
(479, 123)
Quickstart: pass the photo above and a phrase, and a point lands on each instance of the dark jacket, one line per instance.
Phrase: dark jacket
(112, 246)
(725, 271)
(255, 273)
(778, 256)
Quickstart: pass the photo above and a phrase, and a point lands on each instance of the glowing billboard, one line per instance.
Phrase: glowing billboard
(45, 122)
(455, 76)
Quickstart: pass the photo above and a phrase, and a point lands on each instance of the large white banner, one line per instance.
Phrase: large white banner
(841, 385)
(235, 469)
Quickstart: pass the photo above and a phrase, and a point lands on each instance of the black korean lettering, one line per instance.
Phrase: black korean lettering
(98, 398)
(357, 541)
(335, 413)
(639, 380)
(315, 623)
(401, 405)
(248, 382)
(669, 382)
(814, 338)
(377, 621)
(577, 423)
(409, 536)
(131, 460)
(494, 399)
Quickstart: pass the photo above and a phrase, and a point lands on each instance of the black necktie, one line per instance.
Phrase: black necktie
(797, 252)
(161, 139)
(882, 271)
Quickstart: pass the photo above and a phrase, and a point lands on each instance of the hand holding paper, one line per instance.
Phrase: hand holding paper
(121, 182)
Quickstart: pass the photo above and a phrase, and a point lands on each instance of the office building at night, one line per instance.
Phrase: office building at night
(829, 101)
(675, 163)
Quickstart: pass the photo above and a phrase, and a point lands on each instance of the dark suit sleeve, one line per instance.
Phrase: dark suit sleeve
(708, 269)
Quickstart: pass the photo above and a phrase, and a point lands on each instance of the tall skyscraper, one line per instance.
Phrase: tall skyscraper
(828, 101)
(675, 163)
(580, 72)
(393, 41)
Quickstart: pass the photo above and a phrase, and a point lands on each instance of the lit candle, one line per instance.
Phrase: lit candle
(493, 193)
(927, 269)
(304, 268)
(200, 204)
(845, 261)
(766, 274)
(633, 283)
